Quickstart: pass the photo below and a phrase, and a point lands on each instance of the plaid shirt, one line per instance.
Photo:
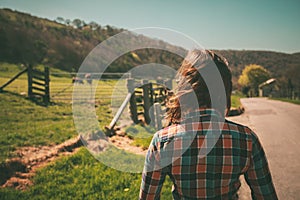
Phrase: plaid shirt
(203, 167)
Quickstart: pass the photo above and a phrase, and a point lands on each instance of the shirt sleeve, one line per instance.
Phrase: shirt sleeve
(258, 175)
(153, 175)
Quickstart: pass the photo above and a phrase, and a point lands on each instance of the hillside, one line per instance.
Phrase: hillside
(281, 65)
(32, 40)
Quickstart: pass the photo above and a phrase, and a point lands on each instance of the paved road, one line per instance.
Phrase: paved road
(277, 125)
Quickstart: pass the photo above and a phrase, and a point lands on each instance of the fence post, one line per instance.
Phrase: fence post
(157, 111)
(151, 98)
(47, 86)
(147, 101)
(132, 102)
(29, 76)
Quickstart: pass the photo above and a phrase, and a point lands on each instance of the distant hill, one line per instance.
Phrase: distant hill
(28, 39)
(282, 66)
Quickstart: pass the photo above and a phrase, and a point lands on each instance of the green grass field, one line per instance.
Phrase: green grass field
(23, 123)
(80, 176)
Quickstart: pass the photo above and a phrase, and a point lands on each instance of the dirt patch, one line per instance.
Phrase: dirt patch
(125, 143)
(17, 172)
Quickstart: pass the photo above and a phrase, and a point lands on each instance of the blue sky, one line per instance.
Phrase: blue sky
(250, 25)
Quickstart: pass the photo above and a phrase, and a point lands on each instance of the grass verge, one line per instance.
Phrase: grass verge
(235, 99)
(294, 101)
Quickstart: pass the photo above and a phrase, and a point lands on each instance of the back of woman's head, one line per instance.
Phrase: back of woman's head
(190, 83)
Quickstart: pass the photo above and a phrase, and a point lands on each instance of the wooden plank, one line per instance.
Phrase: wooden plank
(37, 94)
(38, 83)
(39, 89)
(13, 78)
(38, 78)
(120, 111)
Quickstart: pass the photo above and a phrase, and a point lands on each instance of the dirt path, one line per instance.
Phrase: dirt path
(125, 143)
(17, 171)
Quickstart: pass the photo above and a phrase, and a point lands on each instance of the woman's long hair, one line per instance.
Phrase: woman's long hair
(190, 82)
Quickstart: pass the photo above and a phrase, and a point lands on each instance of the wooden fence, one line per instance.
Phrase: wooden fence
(146, 98)
(39, 84)
(88, 86)
(147, 102)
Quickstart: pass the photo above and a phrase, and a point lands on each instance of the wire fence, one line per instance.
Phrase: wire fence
(104, 88)
(62, 85)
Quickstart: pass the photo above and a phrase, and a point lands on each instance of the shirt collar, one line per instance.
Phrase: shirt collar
(202, 112)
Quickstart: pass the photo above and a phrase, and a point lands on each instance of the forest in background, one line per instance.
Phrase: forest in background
(64, 44)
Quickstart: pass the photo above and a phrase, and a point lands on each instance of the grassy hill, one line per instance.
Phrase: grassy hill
(32, 40)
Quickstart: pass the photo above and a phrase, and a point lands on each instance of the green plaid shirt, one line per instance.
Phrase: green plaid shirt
(204, 157)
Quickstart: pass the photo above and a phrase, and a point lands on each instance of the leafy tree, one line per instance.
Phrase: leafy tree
(60, 20)
(77, 23)
(252, 76)
(94, 25)
(68, 21)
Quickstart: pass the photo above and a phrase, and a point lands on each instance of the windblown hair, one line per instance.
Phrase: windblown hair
(190, 82)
